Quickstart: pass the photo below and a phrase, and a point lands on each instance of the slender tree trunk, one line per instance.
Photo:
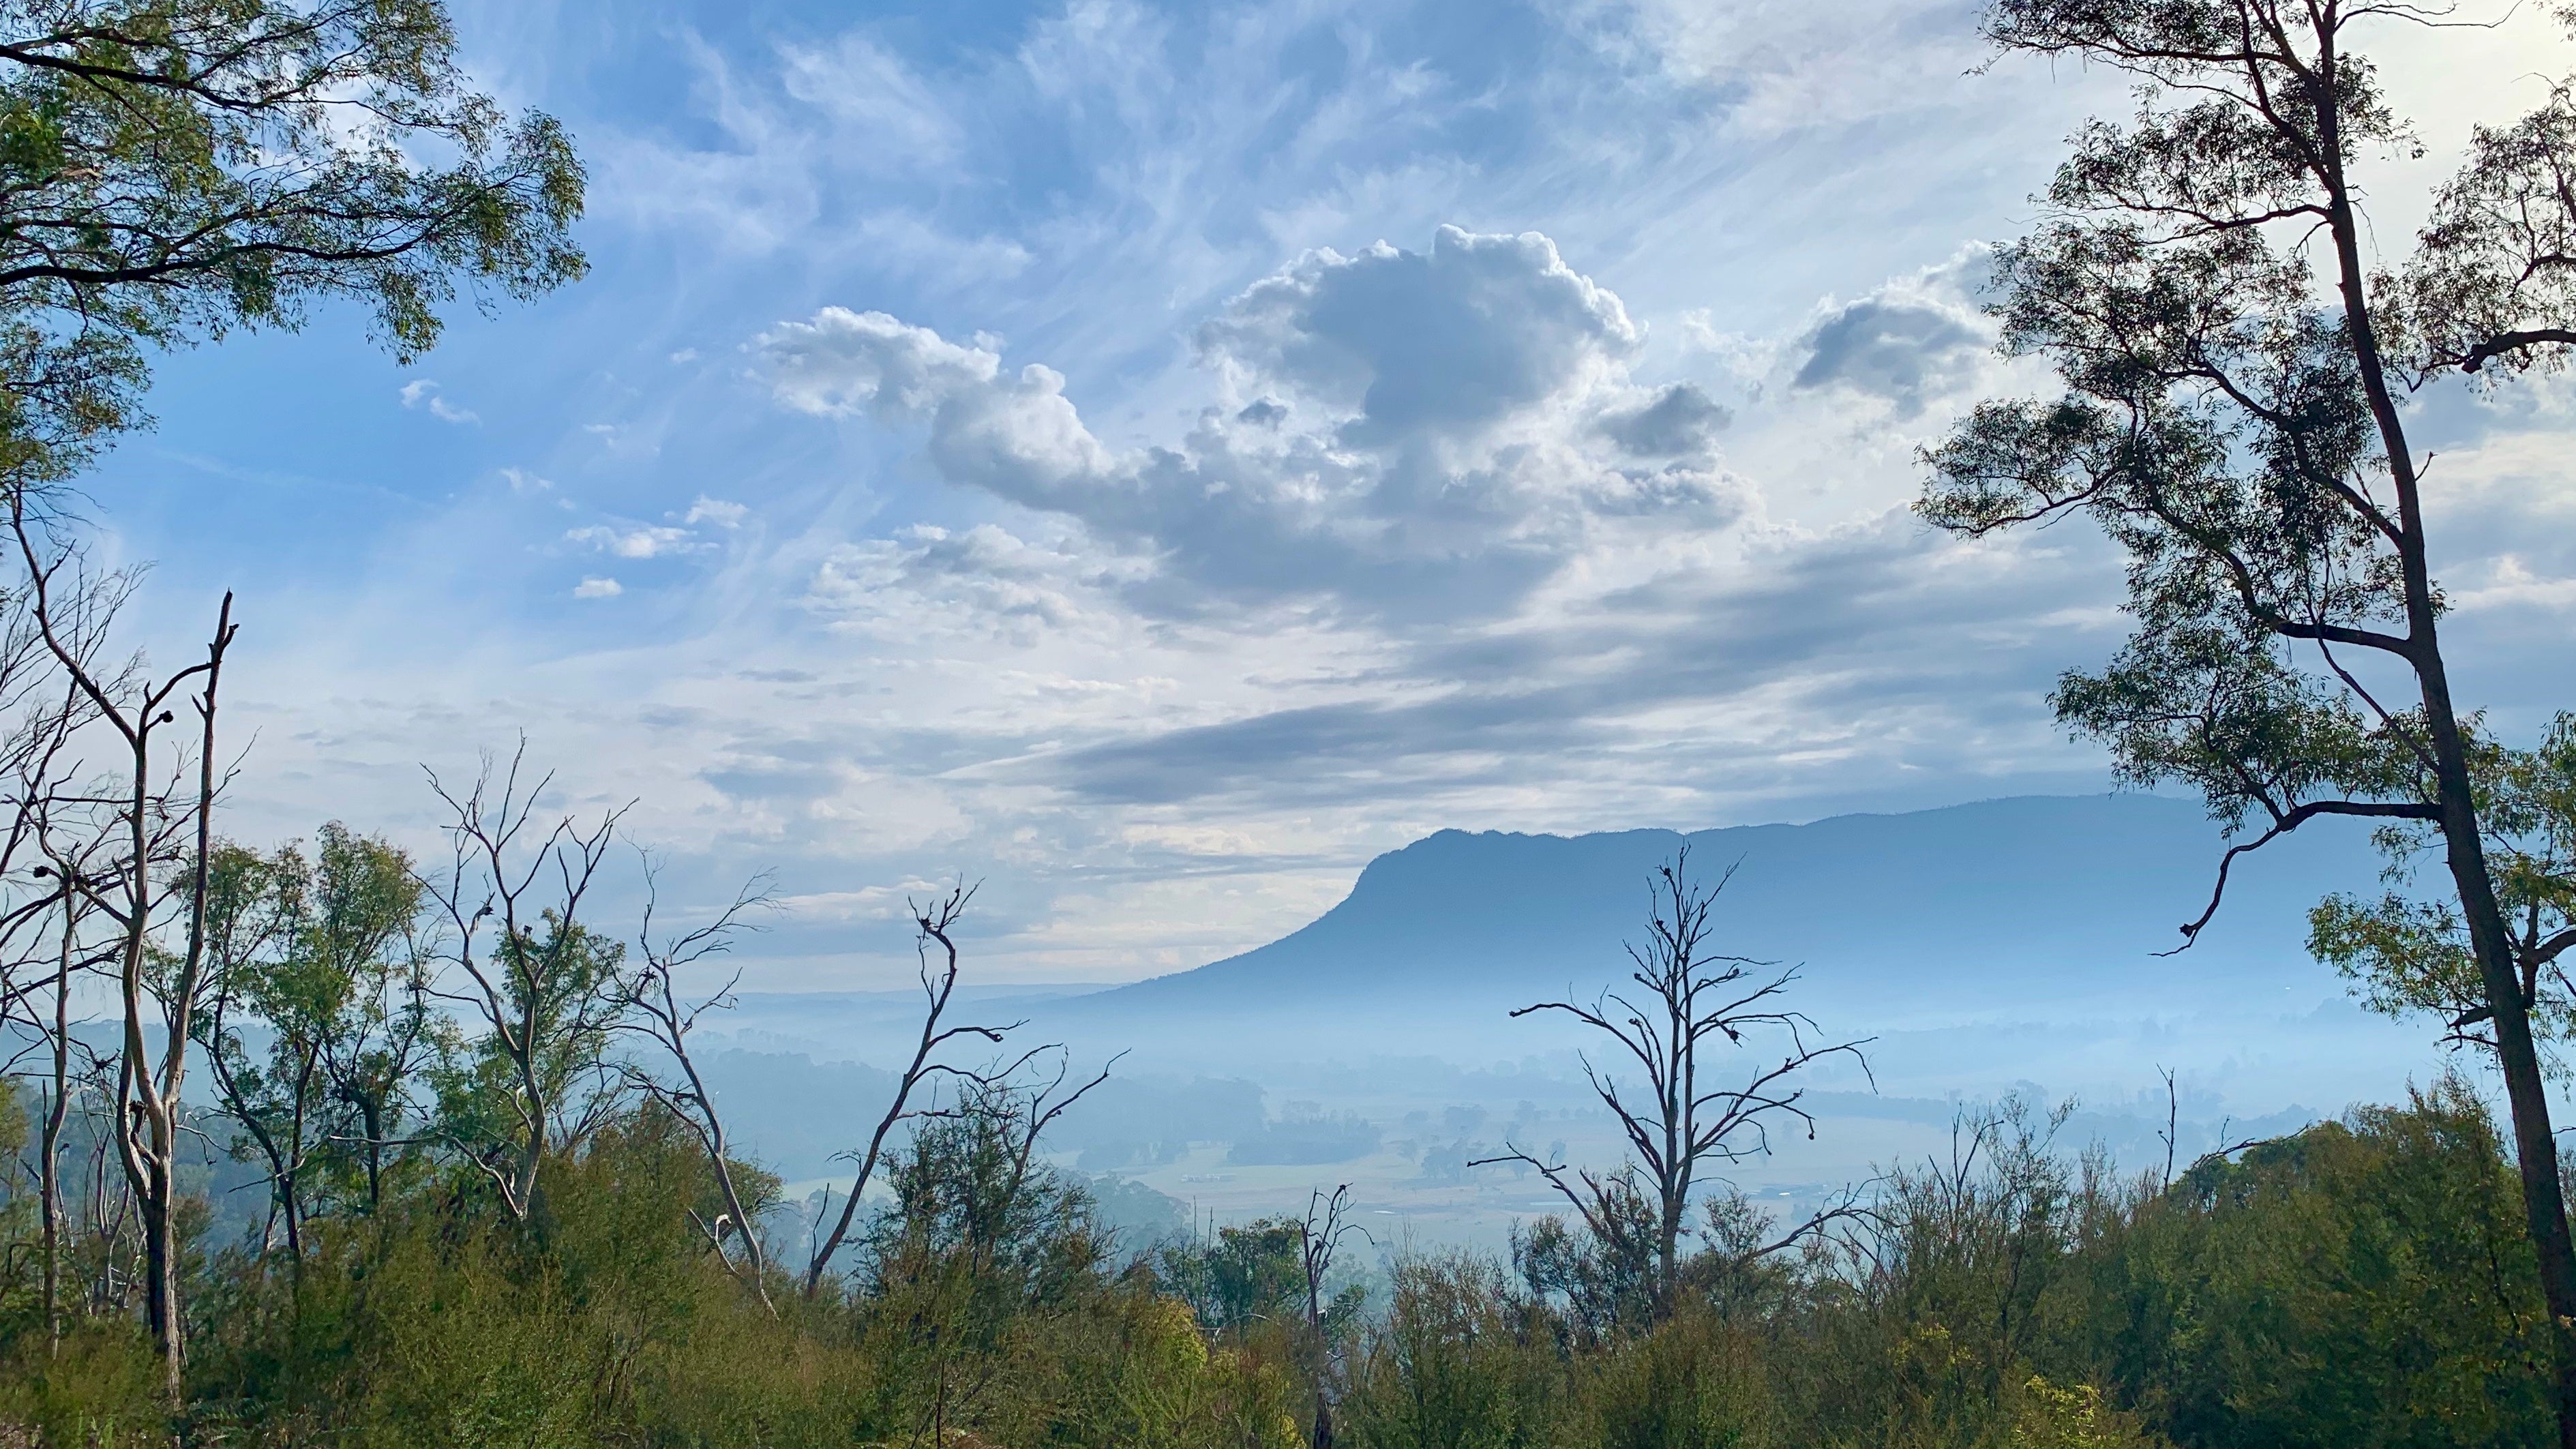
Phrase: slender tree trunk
(1668, 1255)
(290, 1182)
(145, 1139)
(523, 1190)
(367, 1112)
(1315, 1329)
(2526, 1091)
(161, 1274)
(1681, 1049)
(49, 1190)
(526, 1176)
(49, 1199)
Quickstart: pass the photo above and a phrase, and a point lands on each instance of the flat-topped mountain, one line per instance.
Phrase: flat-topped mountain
(2034, 899)
(1980, 945)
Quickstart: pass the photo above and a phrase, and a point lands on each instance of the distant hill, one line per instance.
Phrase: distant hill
(1981, 946)
(2036, 902)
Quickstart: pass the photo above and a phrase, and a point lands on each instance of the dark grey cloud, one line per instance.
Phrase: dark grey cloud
(1449, 340)
(1681, 419)
(1875, 643)
(1900, 349)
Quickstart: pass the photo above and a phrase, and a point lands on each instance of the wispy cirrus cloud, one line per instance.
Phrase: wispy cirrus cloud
(424, 392)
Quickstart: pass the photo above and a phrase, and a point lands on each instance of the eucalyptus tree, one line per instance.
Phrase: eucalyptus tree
(173, 169)
(139, 859)
(548, 992)
(319, 950)
(2236, 365)
(935, 924)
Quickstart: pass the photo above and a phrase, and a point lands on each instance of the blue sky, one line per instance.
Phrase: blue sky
(1155, 458)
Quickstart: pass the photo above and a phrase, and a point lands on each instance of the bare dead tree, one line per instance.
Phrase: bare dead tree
(1319, 1238)
(1688, 997)
(2172, 1134)
(55, 904)
(934, 924)
(73, 955)
(549, 993)
(1031, 1107)
(46, 713)
(659, 1015)
(164, 820)
(41, 949)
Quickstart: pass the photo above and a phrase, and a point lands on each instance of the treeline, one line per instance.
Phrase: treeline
(472, 1189)
(2359, 1283)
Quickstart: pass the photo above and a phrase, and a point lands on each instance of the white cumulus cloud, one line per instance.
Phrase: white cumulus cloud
(718, 511)
(642, 541)
(1457, 425)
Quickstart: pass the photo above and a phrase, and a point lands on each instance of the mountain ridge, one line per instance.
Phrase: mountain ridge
(2029, 893)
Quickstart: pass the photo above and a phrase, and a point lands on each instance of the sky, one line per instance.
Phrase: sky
(1152, 459)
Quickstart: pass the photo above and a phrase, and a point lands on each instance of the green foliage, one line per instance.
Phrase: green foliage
(2494, 277)
(1604, 1272)
(1462, 1363)
(964, 1195)
(1247, 1275)
(2211, 425)
(2360, 1283)
(319, 956)
(1699, 1381)
(2410, 954)
(177, 168)
(101, 1386)
(559, 985)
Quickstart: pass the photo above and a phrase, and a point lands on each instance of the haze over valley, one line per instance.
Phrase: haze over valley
(2009, 945)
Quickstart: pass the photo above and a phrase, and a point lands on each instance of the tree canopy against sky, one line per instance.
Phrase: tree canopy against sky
(171, 170)
(2235, 418)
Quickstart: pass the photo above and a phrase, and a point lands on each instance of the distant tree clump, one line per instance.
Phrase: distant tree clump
(1307, 1139)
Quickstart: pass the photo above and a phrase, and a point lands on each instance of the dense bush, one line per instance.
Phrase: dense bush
(2360, 1283)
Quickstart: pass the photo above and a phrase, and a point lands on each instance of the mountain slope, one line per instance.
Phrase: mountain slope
(2033, 900)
